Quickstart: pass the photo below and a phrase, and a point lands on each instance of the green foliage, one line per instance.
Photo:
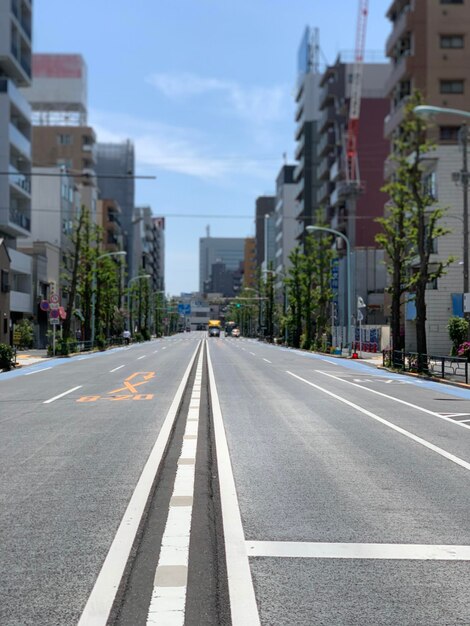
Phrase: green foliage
(458, 332)
(6, 356)
(25, 330)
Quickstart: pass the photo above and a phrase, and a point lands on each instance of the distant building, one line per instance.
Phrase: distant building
(249, 263)
(117, 160)
(263, 209)
(109, 212)
(147, 246)
(285, 223)
(307, 117)
(224, 281)
(227, 250)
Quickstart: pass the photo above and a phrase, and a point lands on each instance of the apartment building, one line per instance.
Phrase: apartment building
(307, 118)
(249, 263)
(354, 215)
(428, 47)
(109, 213)
(264, 209)
(285, 214)
(148, 246)
(15, 159)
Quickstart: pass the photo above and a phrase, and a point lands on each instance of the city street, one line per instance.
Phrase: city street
(292, 488)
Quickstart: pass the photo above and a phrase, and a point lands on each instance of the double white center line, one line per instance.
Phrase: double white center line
(167, 605)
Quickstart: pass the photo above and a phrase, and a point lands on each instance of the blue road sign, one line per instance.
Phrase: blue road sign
(184, 309)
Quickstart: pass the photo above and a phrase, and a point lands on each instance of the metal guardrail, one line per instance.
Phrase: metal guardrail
(446, 367)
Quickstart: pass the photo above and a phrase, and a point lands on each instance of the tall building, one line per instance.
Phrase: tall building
(354, 214)
(249, 263)
(115, 167)
(285, 222)
(428, 47)
(61, 136)
(227, 250)
(263, 209)
(109, 213)
(15, 158)
(307, 117)
(148, 246)
(159, 231)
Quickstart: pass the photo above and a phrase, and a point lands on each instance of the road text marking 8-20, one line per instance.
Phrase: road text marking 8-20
(129, 388)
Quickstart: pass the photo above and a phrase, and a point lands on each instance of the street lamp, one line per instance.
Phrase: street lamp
(428, 111)
(312, 229)
(119, 253)
(141, 277)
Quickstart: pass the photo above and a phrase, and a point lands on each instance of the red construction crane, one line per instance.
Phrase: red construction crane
(355, 101)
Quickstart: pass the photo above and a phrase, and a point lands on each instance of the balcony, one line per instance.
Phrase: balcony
(327, 118)
(299, 130)
(399, 27)
(298, 171)
(21, 219)
(323, 193)
(300, 148)
(299, 111)
(20, 302)
(398, 72)
(21, 143)
(323, 171)
(394, 118)
(19, 181)
(16, 97)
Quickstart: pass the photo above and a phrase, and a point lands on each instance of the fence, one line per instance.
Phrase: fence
(446, 367)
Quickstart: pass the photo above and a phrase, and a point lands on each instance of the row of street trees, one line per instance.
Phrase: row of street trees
(98, 304)
(410, 229)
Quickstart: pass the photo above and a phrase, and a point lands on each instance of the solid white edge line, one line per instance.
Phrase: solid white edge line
(320, 550)
(398, 429)
(116, 369)
(43, 369)
(100, 602)
(243, 607)
(384, 395)
(61, 395)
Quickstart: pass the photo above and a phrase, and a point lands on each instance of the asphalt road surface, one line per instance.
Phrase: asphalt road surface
(225, 481)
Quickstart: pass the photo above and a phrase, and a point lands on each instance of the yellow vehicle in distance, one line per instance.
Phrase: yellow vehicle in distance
(213, 328)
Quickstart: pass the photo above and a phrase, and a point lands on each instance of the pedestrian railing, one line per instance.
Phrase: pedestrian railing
(446, 367)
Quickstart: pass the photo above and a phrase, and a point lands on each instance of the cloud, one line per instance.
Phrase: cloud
(259, 105)
(176, 149)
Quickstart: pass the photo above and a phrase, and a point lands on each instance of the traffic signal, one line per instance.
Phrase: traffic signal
(238, 305)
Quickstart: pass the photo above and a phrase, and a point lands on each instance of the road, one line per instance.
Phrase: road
(225, 481)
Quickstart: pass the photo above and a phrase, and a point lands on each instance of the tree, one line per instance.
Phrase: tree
(458, 332)
(72, 277)
(322, 253)
(294, 293)
(414, 222)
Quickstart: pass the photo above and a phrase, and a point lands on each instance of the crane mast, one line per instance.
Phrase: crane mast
(352, 169)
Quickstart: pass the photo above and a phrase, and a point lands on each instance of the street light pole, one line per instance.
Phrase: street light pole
(425, 110)
(326, 229)
(93, 293)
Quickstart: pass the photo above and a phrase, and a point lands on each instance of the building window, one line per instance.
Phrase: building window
(64, 139)
(430, 185)
(449, 133)
(451, 41)
(4, 284)
(451, 86)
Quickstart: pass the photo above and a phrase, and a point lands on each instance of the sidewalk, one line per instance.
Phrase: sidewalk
(30, 357)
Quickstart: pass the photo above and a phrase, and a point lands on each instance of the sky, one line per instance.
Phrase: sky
(205, 90)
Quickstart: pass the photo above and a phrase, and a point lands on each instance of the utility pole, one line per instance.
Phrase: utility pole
(464, 178)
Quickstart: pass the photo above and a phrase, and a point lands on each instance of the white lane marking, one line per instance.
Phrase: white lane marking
(384, 395)
(141, 357)
(61, 395)
(43, 369)
(167, 604)
(164, 348)
(330, 361)
(313, 550)
(398, 429)
(155, 351)
(243, 607)
(267, 360)
(117, 368)
(253, 353)
(103, 594)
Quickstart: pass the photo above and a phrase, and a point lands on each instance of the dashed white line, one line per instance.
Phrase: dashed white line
(141, 357)
(313, 550)
(117, 368)
(155, 351)
(267, 360)
(167, 605)
(61, 395)
(38, 371)
(253, 353)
